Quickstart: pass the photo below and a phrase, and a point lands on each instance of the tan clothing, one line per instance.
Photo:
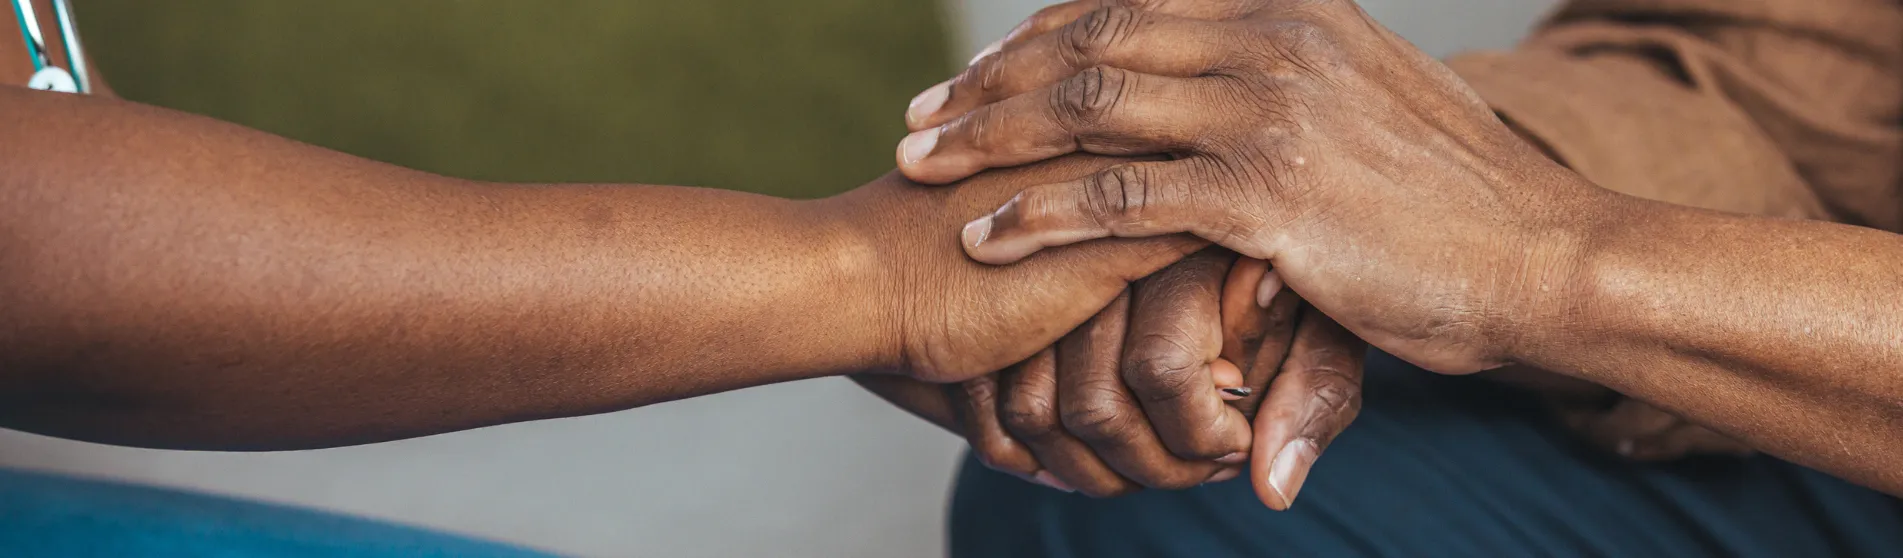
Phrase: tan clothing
(1773, 107)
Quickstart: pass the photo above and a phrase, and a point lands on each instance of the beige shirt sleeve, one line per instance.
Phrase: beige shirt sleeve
(1773, 107)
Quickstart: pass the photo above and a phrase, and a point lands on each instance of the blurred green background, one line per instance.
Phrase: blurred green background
(794, 98)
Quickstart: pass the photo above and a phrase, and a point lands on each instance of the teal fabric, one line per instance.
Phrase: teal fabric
(47, 516)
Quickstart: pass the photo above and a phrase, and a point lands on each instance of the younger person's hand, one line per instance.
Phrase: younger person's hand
(946, 318)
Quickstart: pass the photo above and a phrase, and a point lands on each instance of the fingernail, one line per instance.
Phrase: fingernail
(918, 144)
(1266, 290)
(927, 103)
(1290, 469)
(1225, 474)
(976, 232)
(1234, 458)
(989, 49)
(1050, 480)
(1235, 393)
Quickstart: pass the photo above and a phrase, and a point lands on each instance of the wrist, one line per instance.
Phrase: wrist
(1545, 310)
(863, 288)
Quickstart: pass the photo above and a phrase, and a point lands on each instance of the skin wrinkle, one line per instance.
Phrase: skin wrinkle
(1509, 258)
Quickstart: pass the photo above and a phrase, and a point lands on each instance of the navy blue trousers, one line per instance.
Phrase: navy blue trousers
(1447, 466)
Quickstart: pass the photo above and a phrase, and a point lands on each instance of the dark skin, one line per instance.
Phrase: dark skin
(1078, 417)
(1057, 421)
(376, 303)
(83, 393)
(1389, 196)
(1135, 398)
(172, 281)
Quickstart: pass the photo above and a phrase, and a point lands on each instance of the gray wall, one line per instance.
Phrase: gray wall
(1440, 27)
(812, 469)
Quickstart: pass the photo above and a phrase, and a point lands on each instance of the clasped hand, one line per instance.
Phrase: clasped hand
(1298, 132)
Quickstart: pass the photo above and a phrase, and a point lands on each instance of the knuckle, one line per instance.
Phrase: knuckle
(1030, 418)
(1088, 98)
(1086, 40)
(1159, 369)
(1117, 194)
(1309, 48)
(1097, 420)
(1338, 396)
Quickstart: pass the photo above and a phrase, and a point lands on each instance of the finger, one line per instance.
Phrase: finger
(1243, 321)
(1028, 408)
(1128, 200)
(1090, 277)
(1120, 37)
(1316, 396)
(1228, 379)
(1102, 109)
(1098, 409)
(1619, 428)
(976, 404)
(1175, 333)
(1257, 331)
(1677, 438)
(1686, 439)
(1045, 20)
(924, 400)
(1056, 16)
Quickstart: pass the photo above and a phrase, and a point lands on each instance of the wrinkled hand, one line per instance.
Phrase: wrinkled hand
(947, 318)
(1303, 132)
(1128, 400)
(1135, 398)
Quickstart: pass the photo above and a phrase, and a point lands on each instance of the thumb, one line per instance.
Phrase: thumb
(1316, 396)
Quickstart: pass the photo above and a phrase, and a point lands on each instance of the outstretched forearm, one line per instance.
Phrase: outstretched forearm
(1787, 334)
(168, 280)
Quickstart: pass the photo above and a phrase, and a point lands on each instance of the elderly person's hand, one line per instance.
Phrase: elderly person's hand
(1135, 397)
(1380, 186)
(1628, 427)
